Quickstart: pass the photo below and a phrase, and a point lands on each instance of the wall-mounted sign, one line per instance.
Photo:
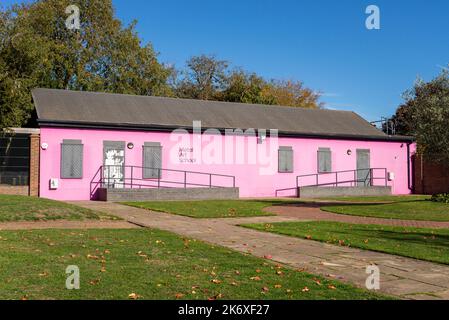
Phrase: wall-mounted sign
(186, 155)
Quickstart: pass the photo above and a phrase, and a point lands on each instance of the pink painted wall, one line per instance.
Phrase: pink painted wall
(254, 180)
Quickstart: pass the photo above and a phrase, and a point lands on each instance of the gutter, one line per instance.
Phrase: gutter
(170, 128)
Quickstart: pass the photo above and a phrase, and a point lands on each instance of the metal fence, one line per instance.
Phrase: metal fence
(14, 159)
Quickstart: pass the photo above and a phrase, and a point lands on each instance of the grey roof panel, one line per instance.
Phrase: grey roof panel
(106, 108)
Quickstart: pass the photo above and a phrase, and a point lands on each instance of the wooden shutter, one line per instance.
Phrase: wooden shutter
(285, 159)
(324, 160)
(72, 159)
(152, 160)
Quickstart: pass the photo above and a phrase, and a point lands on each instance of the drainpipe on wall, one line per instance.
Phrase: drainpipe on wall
(410, 186)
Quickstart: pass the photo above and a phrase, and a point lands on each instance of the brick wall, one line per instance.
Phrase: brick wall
(14, 190)
(430, 178)
(34, 165)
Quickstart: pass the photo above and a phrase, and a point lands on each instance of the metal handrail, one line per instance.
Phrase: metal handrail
(369, 176)
(141, 182)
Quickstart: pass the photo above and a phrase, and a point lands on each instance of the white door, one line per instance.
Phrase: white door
(114, 164)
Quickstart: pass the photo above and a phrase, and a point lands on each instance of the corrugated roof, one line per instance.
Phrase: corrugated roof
(63, 106)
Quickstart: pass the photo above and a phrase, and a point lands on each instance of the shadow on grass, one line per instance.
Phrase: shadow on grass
(406, 237)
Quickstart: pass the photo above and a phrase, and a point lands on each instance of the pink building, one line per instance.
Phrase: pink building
(151, 147)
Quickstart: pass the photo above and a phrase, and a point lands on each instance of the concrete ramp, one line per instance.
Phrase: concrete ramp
(147, 194)
(323, 192)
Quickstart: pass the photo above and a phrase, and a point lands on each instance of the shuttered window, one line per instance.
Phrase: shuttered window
(285, 159)
(152, 160)
(71, 159)
(324, 160)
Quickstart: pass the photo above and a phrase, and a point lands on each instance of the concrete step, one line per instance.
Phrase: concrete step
(323, 192)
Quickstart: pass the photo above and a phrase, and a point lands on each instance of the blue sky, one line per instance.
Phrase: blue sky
(321, 42)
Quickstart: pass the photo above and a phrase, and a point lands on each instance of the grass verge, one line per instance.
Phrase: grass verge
(419, 243)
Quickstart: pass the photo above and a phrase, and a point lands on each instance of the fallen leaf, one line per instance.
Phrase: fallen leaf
(258, 271)
(265, 289)
(216, 281)
(256, 278)
(305, 289)
(268, 256)
(308, 237)
(89, 256)
(218, 296)
(277, 286)
(43, 274)
(331, 287)
(179, 295)
(133, 296)
(94, 282)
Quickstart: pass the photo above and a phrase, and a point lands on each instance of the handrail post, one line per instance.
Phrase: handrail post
(210, 180)
(317, 180)
(132, 174)
(336, 179)
(159, 178)
(109, 176)
(355, 178)
(233, 182)
(185, 179)
(386, 177)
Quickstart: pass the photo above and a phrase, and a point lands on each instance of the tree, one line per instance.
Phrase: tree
(427, 106)
(291, 93)
(204, 78)
(246, 88)
(401, 121)
(37, 50)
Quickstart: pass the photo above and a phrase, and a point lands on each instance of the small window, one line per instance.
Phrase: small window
(324, 160)
(285, 159)
(71, 159)
(152, 160)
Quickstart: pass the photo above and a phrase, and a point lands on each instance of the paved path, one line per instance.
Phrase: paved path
(311, 211)
(403, 277)
(65, 224)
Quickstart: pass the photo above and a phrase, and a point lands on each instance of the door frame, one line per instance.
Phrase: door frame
(119, 145)
(361, 172)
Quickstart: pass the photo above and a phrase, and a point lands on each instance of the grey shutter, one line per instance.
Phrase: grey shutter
(152, 160)
(285, 159)
(71, 159)
(324, 160)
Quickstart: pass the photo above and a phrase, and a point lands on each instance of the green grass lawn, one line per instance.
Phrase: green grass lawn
(20, 208)
(151, 264)
(419, 243)
(406, 208)
(212, 208)
(379, 199)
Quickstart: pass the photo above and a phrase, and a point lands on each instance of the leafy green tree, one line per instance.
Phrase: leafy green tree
(246, 88)
(401, 121)
(204, 78)
(37, 50)
(428, 116)
(291, 93)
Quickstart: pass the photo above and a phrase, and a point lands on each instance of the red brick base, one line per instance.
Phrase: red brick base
(14, 190)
